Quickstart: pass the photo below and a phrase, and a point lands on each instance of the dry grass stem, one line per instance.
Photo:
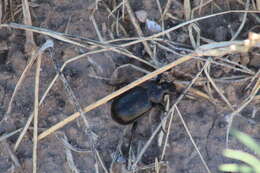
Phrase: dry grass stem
(5, 136)
(98, 157)
(242, 23)
(226, 101)
(256, 76)
(78, 108)
(258, 4)
(223, 97)
(46, 45)
(30, 45)
(238, 65)
(217, 89)
(58, 35)
(111, 13)
(31, 115)
(66, 31)
(167, 134)
(1, 12)
(195, 42)
(69, 157)
(70, 93)
(170, 49)
(151, 166)
(123, 10)
(187, 9)
(69, 39)
(120, 26)
(144, 148)
(192, 140)
(163, 13)
(19, 140)
(184, 24)
(257, 85)
(74, 100)
(228, 66)
(166, 9)
(36, 112)
(92, 18)
(197, 92)
(156, 165)
(241, 107)
(241, 69)
(159, 6)
(200, 6)
(140, 154)
(66, 144)
(177, 101)
(11, 154)
(18, 85)
(118, 151)
(137, 28)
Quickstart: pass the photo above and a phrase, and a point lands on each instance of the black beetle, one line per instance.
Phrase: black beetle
(130, 106)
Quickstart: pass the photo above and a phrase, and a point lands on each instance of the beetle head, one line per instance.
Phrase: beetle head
(168, 87)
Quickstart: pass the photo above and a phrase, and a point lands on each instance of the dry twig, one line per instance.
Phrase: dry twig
(36, 112)
(46, 45)
(137, 27)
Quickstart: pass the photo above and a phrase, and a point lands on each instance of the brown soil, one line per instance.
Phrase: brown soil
(205, 120)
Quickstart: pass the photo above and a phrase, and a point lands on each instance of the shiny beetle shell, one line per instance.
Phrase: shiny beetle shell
(130, 106)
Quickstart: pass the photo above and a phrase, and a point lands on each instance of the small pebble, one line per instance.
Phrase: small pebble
(153, 26)
(141, 15)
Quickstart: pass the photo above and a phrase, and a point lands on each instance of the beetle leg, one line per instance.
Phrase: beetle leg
(133, 130)
(127, 73)
(134, 67)
(161, 107)
(109, 81)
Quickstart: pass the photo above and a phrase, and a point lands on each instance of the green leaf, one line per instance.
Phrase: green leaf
(243, 156)
(235, 168)
(246, 140)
